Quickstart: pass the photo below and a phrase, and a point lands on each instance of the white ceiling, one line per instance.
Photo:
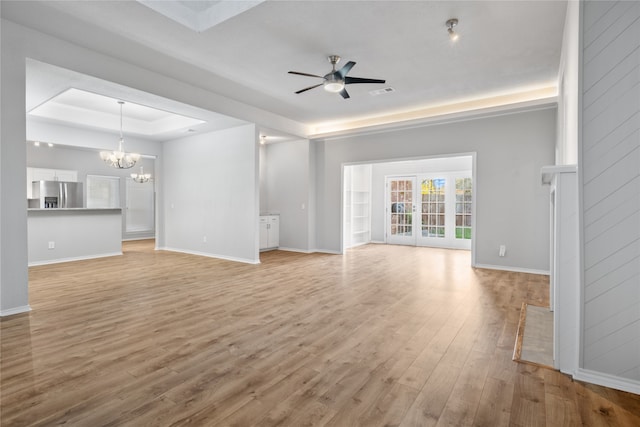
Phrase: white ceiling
(99, 111)
(505, 47)
(200, 15)
(60, 95)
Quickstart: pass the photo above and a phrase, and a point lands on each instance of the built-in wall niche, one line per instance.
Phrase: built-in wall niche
(357, 205)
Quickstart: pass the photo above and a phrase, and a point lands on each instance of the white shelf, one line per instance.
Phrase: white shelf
(357, 219)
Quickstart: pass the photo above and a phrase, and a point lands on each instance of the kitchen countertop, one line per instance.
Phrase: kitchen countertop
(72, 209)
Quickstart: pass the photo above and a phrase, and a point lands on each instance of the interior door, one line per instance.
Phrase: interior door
(400, 210)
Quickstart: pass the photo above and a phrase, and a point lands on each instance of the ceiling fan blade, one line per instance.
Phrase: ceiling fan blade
(308, 88)
(305, 74)
(352, 80)
(344, 94)
(342, 72)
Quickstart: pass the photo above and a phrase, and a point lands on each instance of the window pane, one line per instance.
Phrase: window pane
(433, 207)
(103, 191)
(139, 214)
(463, 208)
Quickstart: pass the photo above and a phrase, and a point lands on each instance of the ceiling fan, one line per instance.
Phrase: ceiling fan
(335, 80)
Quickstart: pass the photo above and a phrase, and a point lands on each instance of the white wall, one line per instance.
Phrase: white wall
(568, 91)
(39, 130)
(512, 208)
(609, 176)
(413, 167)
(264, 195)
(76, 235)
(211, 191)
(14, 293)
(287, 181)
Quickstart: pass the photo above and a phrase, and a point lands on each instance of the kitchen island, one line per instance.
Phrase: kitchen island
(71, 234)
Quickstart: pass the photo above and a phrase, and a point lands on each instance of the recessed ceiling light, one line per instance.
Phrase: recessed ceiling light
(36, 143)
(50, 144)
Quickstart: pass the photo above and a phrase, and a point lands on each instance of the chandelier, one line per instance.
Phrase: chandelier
(119, 159)
(141, 177)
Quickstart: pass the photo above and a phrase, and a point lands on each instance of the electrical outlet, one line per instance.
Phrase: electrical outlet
(52, 245)
(503, 250)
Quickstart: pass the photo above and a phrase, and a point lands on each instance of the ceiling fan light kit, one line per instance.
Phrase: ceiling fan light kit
(336, 80)
(333, 85)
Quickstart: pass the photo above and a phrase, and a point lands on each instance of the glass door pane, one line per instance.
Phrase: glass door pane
(400, 210)
(463, 208)
(433, 207)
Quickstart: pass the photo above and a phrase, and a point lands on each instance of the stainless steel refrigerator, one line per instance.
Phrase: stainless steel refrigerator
(56, 195)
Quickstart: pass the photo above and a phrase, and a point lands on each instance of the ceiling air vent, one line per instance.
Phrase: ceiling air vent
(381, 91)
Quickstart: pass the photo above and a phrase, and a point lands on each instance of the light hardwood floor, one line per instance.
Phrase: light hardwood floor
(383, 336)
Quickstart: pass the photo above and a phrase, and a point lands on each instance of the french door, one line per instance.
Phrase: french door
(400, 210)
(430, 210)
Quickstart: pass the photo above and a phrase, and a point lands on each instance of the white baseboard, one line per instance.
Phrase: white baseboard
(15, 310)
(326, 251)
(210, 255)
(514, 269)
(607, 380)
(302, 251)
(79, 258)
(378, 242)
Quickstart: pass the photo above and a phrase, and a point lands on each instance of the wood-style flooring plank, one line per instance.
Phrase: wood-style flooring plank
(381, 336)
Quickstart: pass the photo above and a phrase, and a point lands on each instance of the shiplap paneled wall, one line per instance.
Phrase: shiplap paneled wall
(611, 187)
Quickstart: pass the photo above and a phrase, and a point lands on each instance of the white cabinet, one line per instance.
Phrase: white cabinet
(43, 174)
(269, 231)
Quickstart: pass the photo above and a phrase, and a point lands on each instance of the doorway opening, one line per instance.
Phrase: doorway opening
(418, 202)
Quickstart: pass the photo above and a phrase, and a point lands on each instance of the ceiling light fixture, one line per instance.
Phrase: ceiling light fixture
(334, 82)
(141, 177)
(263, 139)
(36, 143)
(451, 23)
(119, 159)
